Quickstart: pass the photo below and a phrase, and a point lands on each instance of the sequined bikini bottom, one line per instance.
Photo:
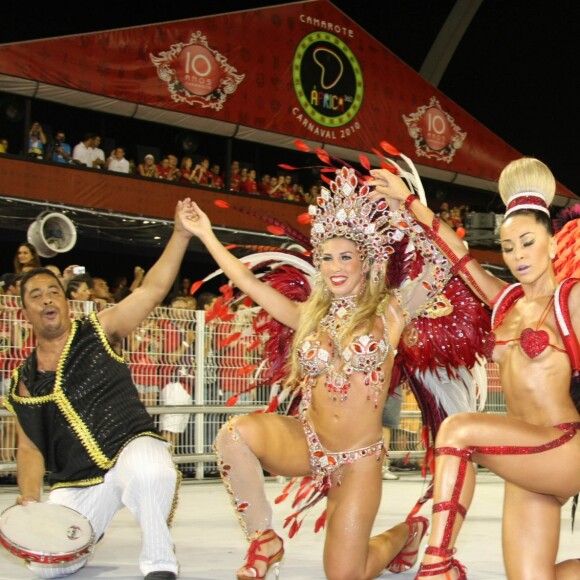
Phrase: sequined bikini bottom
(324, 463)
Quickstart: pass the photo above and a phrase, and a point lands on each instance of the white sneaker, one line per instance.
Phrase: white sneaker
(388, 474)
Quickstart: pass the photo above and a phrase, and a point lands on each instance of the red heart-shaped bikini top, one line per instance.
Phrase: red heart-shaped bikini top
(534, 342)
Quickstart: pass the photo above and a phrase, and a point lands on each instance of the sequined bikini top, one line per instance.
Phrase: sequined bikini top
(363, 354)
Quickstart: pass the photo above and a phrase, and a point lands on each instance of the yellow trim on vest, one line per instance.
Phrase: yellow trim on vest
(73, 419)
(80, 483)
(71, 416)
(103, 337)
(100, 479)
(27, 400)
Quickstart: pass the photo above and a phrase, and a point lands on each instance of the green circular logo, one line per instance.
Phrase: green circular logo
(327, 79)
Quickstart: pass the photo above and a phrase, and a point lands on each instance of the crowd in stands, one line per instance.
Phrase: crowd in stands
(78, 284)
(455, 216)
(242, 177)
(196, 170)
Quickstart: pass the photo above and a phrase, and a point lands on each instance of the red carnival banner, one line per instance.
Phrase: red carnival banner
(302, 70)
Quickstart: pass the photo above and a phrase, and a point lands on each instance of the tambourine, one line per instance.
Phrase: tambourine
(46, 533)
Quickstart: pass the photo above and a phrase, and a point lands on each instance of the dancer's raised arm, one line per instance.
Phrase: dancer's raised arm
(393, 189)
(276, 304)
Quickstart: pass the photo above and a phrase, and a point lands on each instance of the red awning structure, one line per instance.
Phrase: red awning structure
(273, 75)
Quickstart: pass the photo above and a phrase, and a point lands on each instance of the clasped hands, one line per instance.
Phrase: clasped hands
(190, 218)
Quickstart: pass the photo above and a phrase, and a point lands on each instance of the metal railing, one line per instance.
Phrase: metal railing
(185, 370)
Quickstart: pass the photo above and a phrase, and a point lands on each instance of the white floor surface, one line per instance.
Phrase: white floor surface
(210, 545)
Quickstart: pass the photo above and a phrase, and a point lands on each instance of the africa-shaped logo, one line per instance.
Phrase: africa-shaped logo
(327, 79)
(434, 131)
(197, 74)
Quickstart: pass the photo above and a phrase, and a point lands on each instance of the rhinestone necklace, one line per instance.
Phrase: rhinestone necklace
(338, 316)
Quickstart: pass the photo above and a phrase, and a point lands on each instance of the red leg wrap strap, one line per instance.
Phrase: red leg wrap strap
(528, 450)
(453, 506)
(440, 552)
(463, 453)
(443, 506)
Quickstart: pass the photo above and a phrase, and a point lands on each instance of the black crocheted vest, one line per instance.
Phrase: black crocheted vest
(81, 420)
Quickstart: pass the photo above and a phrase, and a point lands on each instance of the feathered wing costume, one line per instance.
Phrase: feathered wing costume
(441, 351)
(567, 226)
(567, 266)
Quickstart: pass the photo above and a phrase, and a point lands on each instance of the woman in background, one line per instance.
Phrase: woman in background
(26, 258)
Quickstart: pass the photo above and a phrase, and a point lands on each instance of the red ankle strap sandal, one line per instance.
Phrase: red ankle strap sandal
(409, 553)
(445, 566)
(253, 556)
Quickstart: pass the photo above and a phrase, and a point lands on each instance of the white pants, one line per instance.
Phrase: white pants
(144, 480)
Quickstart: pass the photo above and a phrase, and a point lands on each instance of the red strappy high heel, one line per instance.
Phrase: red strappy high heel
(253, 556)
(443, 567)
(409, 553)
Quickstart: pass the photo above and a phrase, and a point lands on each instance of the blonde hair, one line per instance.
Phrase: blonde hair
(317, 305)
(527, 174)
